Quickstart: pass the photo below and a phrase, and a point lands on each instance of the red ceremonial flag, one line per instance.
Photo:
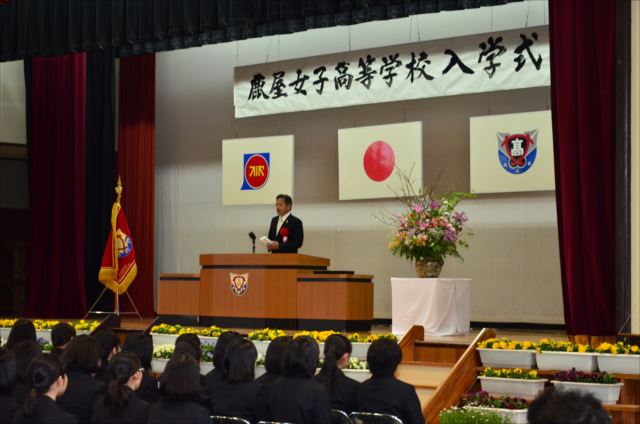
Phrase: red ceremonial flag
(118, 269)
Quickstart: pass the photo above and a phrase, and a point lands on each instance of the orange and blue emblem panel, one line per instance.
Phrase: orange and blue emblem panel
(256, 171)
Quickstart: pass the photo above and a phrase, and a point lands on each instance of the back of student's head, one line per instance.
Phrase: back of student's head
(384, 356)
(141, 345)
(83, 353)
(302, 357)
(335, 347)
(221, 346)
(25, 351)
(276, 352)
(189, 338)
(22, 330)
(43, 372)
(240, 361)
(123, 366)
(109, 343)
(186, 348)
(61, 334)
(180, 379)
(8, 370)
(560, 407)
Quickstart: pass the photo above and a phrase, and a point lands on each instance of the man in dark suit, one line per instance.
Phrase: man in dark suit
(286, 233)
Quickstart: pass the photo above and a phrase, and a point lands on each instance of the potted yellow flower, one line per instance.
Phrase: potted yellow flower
(564, 355)
(506, 353)
(511, 382)
(619, 358)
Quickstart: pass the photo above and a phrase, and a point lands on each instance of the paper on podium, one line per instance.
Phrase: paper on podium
(264, 240)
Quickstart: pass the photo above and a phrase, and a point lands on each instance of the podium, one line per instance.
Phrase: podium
(288, 291)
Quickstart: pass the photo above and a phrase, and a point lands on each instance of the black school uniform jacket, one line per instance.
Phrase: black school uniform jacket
(343, 395)
(294, 237)
(166, 411)
(298, 400)
(388, 395)
(135, 411)
(45, 411)
(81, 394)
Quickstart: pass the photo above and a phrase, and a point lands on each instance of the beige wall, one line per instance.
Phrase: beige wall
(513, 259)
(13, 127)
(635, 167)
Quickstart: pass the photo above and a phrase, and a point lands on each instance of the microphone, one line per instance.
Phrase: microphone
(252, 236)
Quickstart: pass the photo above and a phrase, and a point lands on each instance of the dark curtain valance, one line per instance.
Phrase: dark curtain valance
(46, 27)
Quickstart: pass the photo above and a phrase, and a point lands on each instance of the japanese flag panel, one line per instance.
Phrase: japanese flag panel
(511, 153)
(256, 170)
(369, 157)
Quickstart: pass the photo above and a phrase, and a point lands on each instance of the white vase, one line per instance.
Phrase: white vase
(605, 393)
(512, 387)
(621, 364)
(514, 416)
(499, 358)
(563, 361)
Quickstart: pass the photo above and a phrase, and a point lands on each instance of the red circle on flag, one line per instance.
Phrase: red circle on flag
(256, 171)
(379, 161)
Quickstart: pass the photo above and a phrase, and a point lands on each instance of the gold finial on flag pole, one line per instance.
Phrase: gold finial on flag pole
(119, 189)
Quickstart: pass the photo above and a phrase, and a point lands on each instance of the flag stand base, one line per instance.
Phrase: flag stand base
(116, 310)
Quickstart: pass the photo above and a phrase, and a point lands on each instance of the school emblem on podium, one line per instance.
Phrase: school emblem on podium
(239, 283)
(517, 152)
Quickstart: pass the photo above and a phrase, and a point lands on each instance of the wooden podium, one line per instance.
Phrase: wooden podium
(289, 291)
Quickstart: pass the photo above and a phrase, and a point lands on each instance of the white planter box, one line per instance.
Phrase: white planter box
(260, 370)
(158, 365)
(358, 375)
(621, 364)
(159, 339)
(4, 333)
(563, 361)
(515, 416)
(605, 393)
(360, 350)
(498, 358)
(512, 387)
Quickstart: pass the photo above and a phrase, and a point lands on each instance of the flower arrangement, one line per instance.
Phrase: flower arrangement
(484, 399)
(515, 373)
(260, 360)
(83, 325)
(7, 323)
(506, 344)
(357, 338)
(464, 416)
(265, 335)
(207, 352)
(319, 336)
(212, 331)
(164, 351)
(619, 348)
(585, 377)
(562, 346)
(354, 364)
(45, 345)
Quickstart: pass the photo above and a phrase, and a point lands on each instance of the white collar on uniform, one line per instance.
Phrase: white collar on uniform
(284, 217)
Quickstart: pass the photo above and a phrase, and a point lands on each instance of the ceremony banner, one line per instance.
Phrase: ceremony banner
(256, 170)
(503, 60)
(511, 153)
(369, 158)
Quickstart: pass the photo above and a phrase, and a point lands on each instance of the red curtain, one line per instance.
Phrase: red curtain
(56, 187)
(136, 166)
(582, 34)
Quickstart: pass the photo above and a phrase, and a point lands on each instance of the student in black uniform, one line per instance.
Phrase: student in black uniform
(237, 394)
(141, 345)
(119, 405)
(82, 358)
(61, 335)
(8, 377)
(342, 389)
(110, 344)
(383, 393)
(274, 360)
(48, 381)
(25, 351)
(297, 397)
(214, 376)
(22, 330)
(180, 394)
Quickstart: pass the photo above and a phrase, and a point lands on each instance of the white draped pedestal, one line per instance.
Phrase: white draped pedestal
(440, 305)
